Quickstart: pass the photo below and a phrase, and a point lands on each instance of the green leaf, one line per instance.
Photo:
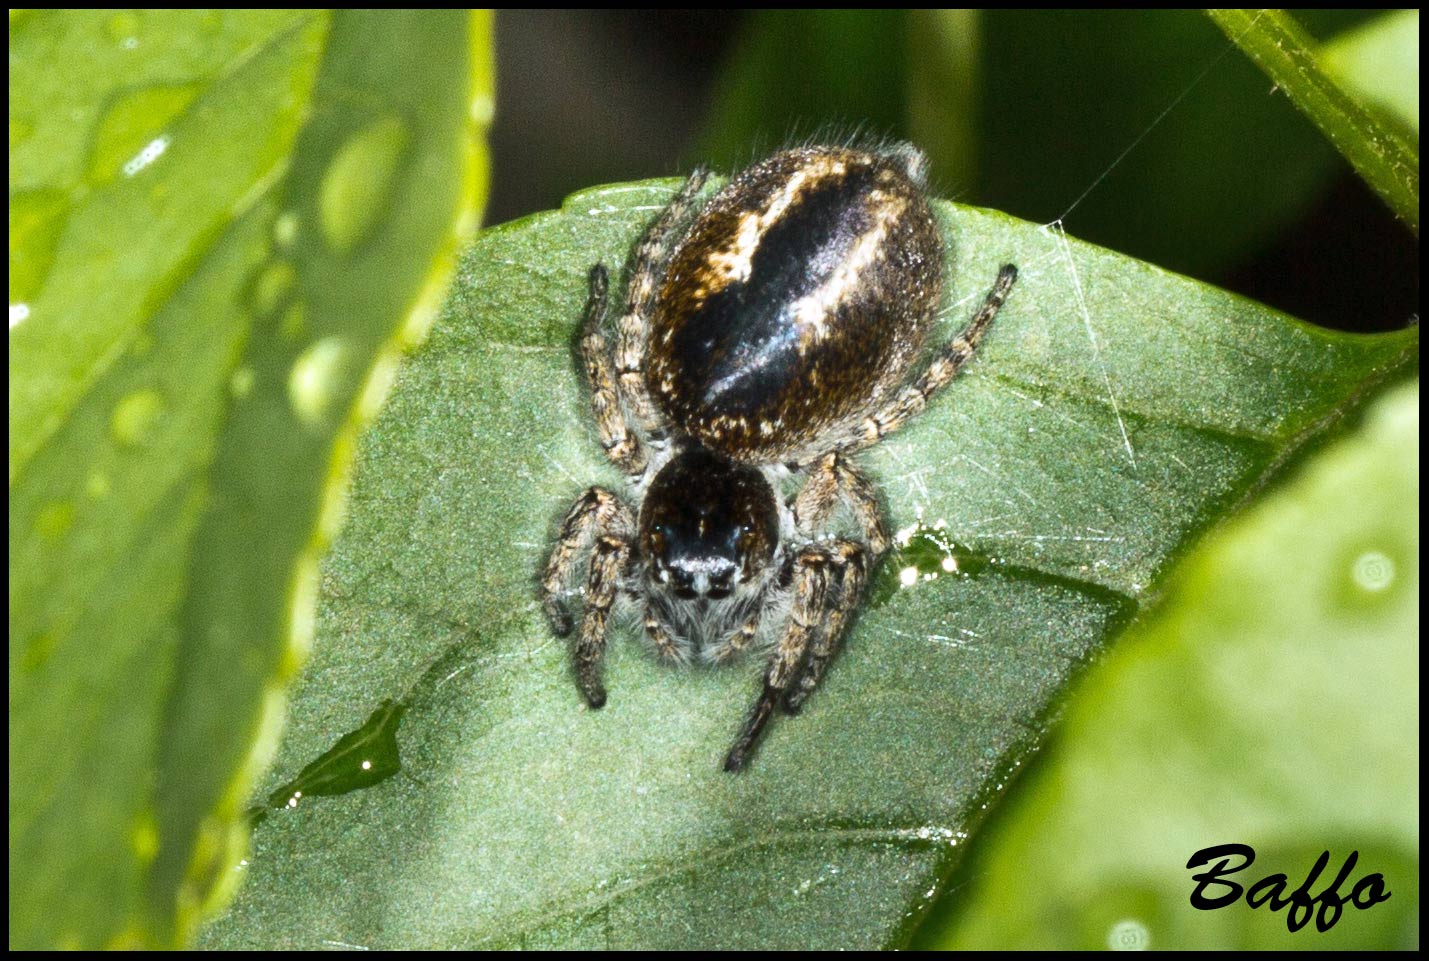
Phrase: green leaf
(1379, 63)
(1384, 156)
(1115, 412)
(224, 228)
(1273, 700)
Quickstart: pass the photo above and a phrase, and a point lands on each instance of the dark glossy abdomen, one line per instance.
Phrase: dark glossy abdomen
(795, 303)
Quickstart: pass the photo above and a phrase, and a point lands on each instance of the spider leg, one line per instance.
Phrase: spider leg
(950, 360)
(815, 584)
(831, 482)
(738, 639)
(665, 644)
(620, 443)
(633, 329)
(607, 561)
(855, 563)
(597, 512)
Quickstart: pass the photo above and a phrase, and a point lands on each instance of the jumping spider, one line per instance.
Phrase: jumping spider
(759, 347)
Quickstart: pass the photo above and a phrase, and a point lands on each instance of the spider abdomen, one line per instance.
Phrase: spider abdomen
(795, 302)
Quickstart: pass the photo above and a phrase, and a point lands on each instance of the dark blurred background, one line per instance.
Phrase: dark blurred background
(1018, 110)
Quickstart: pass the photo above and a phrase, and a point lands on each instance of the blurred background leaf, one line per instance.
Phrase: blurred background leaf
(1379, 62)
(224, 228)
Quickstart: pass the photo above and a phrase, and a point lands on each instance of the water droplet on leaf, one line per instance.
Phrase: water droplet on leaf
(273, 285)
(240, 382)
(1373, 571)
(285, 229)
(358, 184)
(134, 417)
(313, 381)
(130, 136)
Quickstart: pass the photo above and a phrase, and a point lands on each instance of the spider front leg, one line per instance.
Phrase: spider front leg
(633, 329)
(856, 564)
(660, 637)
(950, 360)
(824, 597)
(596, 513)
(608, 562)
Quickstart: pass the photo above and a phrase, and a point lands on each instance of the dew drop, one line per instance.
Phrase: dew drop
(358, 183)
(130, 136)
(1373, 571)
(134, 417)
(313, 382)
(19, 313)
(285, 229)
(1129, 935)
(483, 110)
(123, 29)
(923, 553)
(240, 382)
(273, 285)
(147, 154)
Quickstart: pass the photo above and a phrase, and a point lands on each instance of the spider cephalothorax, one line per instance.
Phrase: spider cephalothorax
(760, 346)
(708, 525)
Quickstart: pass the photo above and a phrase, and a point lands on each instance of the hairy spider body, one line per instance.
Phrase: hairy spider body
(759, 347)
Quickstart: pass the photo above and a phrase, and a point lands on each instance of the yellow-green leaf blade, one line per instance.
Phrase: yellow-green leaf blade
(196, 353)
